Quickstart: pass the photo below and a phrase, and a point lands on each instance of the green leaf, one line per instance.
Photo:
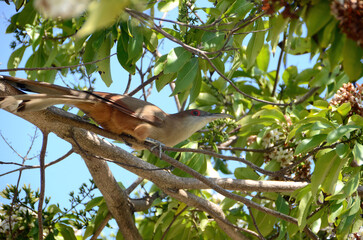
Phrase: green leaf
(344, 109)
(349, 188)
(335, 51)
(309, 144)
(358, 153)
(134, 48)
(176, 59)
(304, 209)
(255, 44)
(352, 55)
(317, 17)
(186, 76)
(278, 25)
(245, 173)
(93, 203)
(282, 205)
(103, 67)
(194, 92)
(239, 9)
(263, 58)
(358, 120)
(339, 132)
(102, 14)
(66, 231)
(163, 80)
(90, 51)
(150, 39)
(331, 179)
(15, 58)
(335, 211)
(206, 99)
(122, 50)
(274, 113)
(322, 168)
(213, 41)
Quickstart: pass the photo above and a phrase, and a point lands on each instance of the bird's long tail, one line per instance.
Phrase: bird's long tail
(49, 95)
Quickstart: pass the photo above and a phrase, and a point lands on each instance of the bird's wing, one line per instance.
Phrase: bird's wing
(134, 107)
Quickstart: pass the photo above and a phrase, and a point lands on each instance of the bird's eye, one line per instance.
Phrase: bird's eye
(196, 113)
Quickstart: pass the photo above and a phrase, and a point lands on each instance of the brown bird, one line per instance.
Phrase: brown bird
(119, 114)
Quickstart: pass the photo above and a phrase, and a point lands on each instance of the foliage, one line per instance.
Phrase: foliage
(307, 123)
(18, 220)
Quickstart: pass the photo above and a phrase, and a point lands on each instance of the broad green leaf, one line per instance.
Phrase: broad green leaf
(134, 48)
(335, 51)
(304, 209)
(66, 231)
(90, 51)
(104, 65)
(213, 41)
(278, 24)
(15, 58)
(122, 50)
(317, 17)
(322, 168)
(194, 92)
(348, 218)
(352, 55)
(309, 144)
(263, 58)
(163, 80)
(358, 120)
(331, 179)
(186, 76)
(344, 109)
(358, 153)
(274, 113)
(349, 188)
(239, 8)
(335, 211)
(150, 39)
(245, 173)
(93, 203)
(207, 99)
(160, 64)
(339, 132)
(176, 59)
(255, 44)
(282, 205)
(21, 19)
(102, 14)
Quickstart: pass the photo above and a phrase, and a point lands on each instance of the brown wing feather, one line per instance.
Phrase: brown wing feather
(134, 107)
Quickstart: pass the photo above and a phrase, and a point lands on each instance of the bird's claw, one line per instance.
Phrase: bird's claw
(156, 143)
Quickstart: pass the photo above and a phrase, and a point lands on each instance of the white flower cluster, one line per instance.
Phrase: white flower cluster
(282, 155)
(14, 218)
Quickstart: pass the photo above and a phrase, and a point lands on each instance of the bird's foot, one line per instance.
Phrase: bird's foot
(156, 143)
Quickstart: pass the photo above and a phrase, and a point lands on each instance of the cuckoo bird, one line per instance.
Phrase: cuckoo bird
(119, 114)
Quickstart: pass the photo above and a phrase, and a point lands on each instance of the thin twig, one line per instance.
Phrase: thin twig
(42, 184)
(172, 221)
(55, 68)
(150, 80)
(279, 65)
(25, 167)
(255, 223)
